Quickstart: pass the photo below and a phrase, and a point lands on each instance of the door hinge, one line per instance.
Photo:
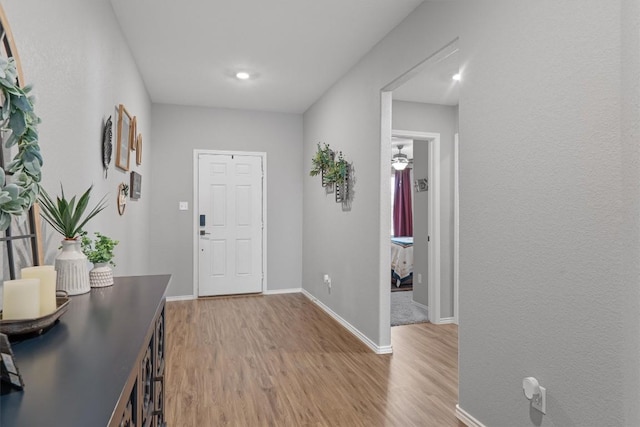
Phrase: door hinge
(428, 238)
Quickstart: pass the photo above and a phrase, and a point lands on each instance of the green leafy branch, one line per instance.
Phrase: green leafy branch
(19, 183)
(337, 171)
(322, 160)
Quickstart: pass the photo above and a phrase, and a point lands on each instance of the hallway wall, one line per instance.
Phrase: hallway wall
(549, 190)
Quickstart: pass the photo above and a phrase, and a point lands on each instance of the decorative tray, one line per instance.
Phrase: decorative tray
(39, 324)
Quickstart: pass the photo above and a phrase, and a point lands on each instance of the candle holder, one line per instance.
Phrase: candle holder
(37, 325)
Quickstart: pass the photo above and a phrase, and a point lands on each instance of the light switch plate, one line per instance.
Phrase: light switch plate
(183, 206)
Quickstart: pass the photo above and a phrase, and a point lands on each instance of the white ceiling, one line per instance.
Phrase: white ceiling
(188, 52)
(434, 85)
(407, 146)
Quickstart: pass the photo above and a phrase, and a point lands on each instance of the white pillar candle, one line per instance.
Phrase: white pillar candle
(21, 299)
(47, 276)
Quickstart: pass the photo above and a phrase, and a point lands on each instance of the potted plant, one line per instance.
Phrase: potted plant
(100, 253)
(68, 217)
(321, 162)
(19, 183)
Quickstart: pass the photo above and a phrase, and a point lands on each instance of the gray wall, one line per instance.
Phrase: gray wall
(440, 119)
(177, 132)
(74, 54)
(549, 259)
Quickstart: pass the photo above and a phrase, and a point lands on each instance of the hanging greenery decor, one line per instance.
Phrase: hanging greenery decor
(321, 162)
(337, 171)
(334, 171)
(19, 183)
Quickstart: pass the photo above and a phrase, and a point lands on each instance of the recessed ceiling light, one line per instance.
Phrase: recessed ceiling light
(456, 77)
(242, 75)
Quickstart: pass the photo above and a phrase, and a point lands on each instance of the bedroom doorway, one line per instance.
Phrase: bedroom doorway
(416, 257)
(421, 104)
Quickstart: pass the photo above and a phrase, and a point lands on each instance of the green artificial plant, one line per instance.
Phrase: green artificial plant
(19, 182)
(322, 160)
(65, 216)
(337, 171)
(100, 250)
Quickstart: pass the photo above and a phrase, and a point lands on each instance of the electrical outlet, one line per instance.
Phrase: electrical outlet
(419, 277)
(327, 281)
(539, 401)
(183, 206)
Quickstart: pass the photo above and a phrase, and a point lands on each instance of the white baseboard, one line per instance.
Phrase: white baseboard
(426, 307)
(181, 298)
(273, 292)
(447, 320)
(467, 418)
(387, 349)
(282, 291)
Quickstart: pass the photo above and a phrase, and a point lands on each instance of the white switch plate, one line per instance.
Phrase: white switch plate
(183, 206)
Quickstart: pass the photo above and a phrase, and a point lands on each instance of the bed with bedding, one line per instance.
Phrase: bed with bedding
(401, 263)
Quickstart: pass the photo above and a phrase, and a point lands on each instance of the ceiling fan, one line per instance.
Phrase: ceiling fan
(399, 161)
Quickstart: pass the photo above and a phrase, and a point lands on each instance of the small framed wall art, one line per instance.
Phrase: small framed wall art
(139, 150)
(136, 184)
(133, 133)
(124, 138)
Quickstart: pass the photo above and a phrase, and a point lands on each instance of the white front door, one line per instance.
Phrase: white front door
(230, 224)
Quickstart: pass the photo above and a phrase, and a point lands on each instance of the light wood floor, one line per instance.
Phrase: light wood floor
(279, 360)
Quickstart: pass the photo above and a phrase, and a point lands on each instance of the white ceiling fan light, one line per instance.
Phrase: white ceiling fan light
(399, 161)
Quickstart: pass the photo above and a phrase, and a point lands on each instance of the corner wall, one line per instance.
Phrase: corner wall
(549, 255)
(74, 54)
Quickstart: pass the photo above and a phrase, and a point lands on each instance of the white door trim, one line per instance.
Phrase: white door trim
(196, 209)
(456, 226)
(433, 227)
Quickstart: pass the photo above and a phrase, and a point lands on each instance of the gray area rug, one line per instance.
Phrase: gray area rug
(404, 311)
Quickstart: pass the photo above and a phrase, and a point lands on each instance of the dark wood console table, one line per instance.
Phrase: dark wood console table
(102, 365)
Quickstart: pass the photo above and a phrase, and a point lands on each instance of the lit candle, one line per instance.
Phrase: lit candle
(21, 299)
(47, 276)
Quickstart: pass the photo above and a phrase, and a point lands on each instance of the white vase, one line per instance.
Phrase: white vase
(73, 272)
(101, 275)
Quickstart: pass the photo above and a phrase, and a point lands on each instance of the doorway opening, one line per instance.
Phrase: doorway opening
(418, 256)
(419, 105)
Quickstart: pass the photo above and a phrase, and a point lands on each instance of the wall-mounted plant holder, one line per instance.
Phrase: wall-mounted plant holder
(325, 170)
(333, 171)
(123, 193)
(342, 189)
(321, 162)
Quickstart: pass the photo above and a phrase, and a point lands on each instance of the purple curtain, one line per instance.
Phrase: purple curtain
(402, 212)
